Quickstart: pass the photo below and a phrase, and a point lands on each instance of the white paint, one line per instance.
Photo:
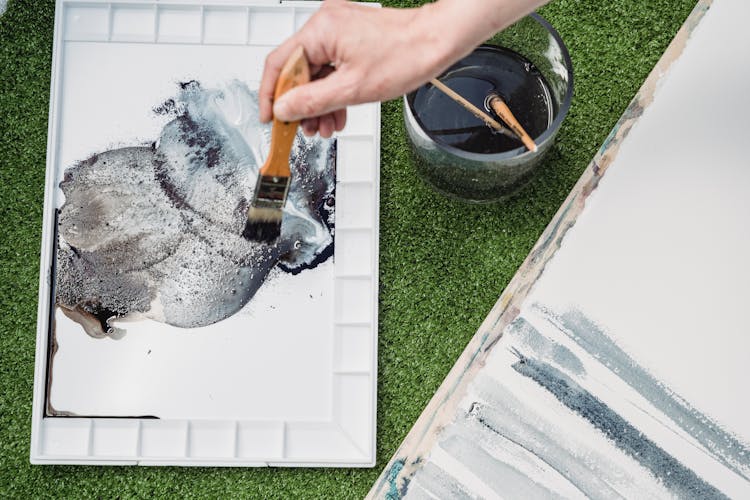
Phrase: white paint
(660, 254)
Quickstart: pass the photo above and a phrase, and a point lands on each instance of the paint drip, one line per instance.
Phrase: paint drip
(156, 231)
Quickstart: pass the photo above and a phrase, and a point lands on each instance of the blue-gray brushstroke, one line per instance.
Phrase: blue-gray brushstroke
(544, 348)
(497, 414)
(671, 472)
(435, 482)
(501, 416)
(723, 446)
(496, 474)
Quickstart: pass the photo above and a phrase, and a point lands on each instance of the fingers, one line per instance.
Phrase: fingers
(321, 104)
(319, 66)
(324, 123)
(309, 126)
(317, 98)
(274, 62)
(326, 126)
(271, 70)
(339, 116)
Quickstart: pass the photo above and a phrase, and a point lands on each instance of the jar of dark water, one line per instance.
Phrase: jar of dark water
(528, 66)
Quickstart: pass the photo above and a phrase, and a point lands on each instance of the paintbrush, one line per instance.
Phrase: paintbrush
(266, 209)
(498, 105)
(471, 108)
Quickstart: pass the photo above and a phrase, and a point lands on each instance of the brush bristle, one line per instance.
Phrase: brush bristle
(263, 224)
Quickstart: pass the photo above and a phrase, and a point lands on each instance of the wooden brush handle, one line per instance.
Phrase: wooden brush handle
(503, 111)
(487, 119)
(295, 72)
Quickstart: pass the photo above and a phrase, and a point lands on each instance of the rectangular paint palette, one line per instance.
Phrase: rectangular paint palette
(290, 378)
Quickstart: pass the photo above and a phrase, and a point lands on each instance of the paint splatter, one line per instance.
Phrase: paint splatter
(155, 231)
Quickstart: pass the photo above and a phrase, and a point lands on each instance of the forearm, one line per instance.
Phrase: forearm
(401, 48)
(461, 25)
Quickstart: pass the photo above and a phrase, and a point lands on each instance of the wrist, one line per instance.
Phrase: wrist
(461, 25)
(441, 38)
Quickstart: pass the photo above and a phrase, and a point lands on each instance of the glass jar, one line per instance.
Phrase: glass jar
(528, 65)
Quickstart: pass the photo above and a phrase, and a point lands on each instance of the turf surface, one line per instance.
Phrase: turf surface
(443, 264)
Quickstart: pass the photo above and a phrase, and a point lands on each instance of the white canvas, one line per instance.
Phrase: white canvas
(615, 364)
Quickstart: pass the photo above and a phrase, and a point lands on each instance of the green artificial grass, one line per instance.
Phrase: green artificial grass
(443, 264)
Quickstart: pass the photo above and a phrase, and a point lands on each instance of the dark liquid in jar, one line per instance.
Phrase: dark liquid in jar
(488, 69)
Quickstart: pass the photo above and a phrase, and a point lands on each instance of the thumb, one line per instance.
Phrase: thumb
(316, 98)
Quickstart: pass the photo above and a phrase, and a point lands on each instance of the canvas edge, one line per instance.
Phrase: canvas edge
(406, 461)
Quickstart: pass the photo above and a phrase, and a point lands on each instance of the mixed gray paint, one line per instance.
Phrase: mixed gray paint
(155, 231)
(539, 422)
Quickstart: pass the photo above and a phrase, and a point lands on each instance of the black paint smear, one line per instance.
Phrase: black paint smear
(665, 467)
(319, 259)
(167, 186)
(51, 323)
(326, 210)
(102, 314)
(204, 142)
(190, 85)
(165, 108)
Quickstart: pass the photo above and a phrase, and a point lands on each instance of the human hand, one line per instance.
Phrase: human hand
(357, 54)
(361, 54)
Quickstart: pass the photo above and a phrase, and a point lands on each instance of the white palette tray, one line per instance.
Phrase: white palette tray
(290, 380)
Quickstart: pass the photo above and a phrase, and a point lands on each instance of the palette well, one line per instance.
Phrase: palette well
(289, 377)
